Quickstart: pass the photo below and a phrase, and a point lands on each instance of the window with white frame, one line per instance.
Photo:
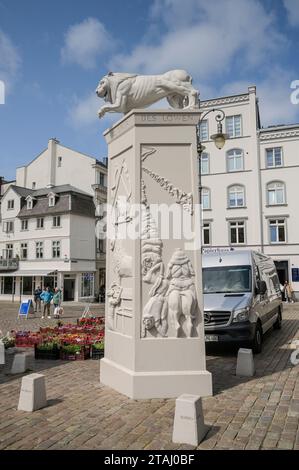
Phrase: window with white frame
(56, 249)
(10, 204)
(24, 224)
(8, 226)
(204, 130)
(24, 250)
(273, 157)
(277, 230)
(235, 160)
(234, 126)
(39, 250)
(101, 178)
(29, 203)
(9, 251)
(236, 196)
(33, 185)
(205, 198)
(40, 222)
(51, 200)
(87, 284)
(59, 162)
(56, 221)
(206, 233)
(276, 193)
(205, 164)
(237, 232)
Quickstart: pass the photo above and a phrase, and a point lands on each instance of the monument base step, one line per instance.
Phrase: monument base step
(157, 384)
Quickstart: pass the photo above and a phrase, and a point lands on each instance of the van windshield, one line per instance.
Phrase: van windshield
(227, 280)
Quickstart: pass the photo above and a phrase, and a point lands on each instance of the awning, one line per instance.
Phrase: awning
(28, 273)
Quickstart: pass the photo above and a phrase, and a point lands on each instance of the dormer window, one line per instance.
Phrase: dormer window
(29, 201)
(52, 199)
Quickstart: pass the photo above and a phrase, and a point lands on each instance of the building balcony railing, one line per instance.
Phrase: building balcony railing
(11, 264)
(100, 188)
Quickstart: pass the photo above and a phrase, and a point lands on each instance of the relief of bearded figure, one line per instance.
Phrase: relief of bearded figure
(181, 296)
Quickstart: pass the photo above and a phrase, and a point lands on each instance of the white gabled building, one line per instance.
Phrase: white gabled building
(47, 238)
(47, 227)
(249, 187)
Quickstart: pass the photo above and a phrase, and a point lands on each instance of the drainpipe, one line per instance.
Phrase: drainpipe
(260, 192)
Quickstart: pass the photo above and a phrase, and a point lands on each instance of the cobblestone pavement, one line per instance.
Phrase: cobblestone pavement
(249, 413)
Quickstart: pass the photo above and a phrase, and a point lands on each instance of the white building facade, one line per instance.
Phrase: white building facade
(249, 187)
(47, 228)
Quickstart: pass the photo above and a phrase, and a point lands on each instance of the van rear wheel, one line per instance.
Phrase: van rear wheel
(257, 341)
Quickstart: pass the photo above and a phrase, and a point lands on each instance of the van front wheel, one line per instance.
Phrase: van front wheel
(257, 341)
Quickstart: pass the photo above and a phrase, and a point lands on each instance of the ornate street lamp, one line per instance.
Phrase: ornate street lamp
(219, 138)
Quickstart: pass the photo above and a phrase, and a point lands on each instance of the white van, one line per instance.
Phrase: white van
(242, 297)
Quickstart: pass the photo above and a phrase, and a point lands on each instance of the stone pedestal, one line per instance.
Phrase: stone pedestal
(33, 393)
(245, 363)
(188, 427)
(20, 363)
(154, 340)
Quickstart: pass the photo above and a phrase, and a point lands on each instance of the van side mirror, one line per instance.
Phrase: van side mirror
(261, 287)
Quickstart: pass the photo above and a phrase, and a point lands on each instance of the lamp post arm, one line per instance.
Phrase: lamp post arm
(219, 118)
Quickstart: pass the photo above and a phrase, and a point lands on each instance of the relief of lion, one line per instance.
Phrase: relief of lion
(126, 91)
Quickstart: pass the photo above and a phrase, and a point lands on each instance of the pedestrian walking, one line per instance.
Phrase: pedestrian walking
(288, 292)
(56, 302)
(46, 297)
(37, 299)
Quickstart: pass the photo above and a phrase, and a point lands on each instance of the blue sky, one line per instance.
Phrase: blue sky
(53, 53)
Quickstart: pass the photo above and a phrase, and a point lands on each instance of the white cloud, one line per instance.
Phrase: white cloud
(205, 38)
(292, 7)
(10, 61)
(275, 102)
(83, 112)
(85, 42)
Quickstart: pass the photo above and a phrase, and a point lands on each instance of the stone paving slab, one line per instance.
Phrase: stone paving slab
(261, 412)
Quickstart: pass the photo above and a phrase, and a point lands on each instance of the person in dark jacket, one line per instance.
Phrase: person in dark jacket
(37, 299)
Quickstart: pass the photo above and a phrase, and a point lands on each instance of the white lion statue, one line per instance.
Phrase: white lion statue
(126, 91)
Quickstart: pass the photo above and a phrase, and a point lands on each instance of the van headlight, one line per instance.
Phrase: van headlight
(241, 315)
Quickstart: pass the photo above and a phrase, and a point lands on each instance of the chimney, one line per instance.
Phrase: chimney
(1, 183)
(52, 161)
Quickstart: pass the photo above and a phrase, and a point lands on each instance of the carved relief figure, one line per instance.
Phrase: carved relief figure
(124, 92)
(181, 296)
(122, 267)
(154, 319)
(114, 299)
